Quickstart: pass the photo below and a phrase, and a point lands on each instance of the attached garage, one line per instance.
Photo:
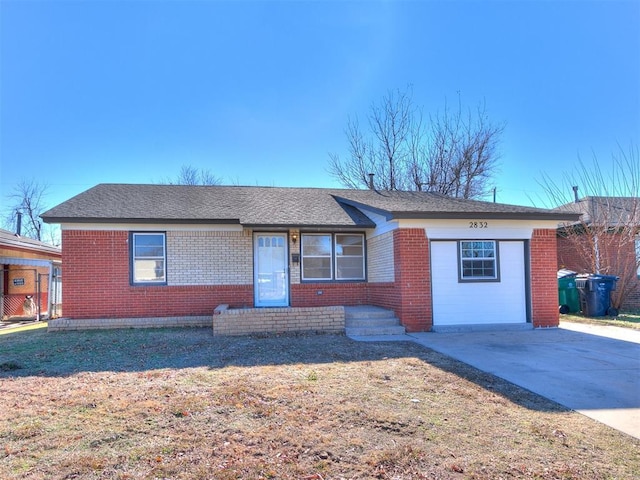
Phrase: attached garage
(478, 282)
(484, 272)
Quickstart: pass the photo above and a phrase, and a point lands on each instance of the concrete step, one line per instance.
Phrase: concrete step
(372, 322)
(372, 331)
(368, 320)
(367, 311)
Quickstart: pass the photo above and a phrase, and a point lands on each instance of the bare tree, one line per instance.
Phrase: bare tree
(605, 239)
(455, 153)
(192, 176)
(27, 202)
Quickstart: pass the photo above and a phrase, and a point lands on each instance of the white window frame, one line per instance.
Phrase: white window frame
(338, 256)
(334, 257)
(134, 259)
(303, 257)
(480, 257)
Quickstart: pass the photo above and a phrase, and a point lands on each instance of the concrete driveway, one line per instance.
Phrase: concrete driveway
(594, 370)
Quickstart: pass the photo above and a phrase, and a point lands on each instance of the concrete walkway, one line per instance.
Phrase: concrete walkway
(592, 369)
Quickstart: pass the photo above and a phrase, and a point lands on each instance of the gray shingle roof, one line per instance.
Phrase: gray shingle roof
(272, 206)
(605, 211)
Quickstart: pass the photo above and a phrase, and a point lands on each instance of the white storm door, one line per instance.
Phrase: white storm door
(270, 277)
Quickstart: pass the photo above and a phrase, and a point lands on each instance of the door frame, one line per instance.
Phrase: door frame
(284, 302)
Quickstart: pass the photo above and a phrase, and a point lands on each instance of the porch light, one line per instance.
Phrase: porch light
(294, 238)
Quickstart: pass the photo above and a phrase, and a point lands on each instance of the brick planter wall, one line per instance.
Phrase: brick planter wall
(277, 320)
(62, 324)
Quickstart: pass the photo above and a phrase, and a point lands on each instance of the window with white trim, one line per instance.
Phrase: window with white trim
(316, 257)
(349, 250)
(327, 257)
(478, 260)
(148, 258)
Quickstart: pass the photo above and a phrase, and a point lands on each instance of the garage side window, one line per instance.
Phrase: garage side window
(478, 261)
(148, 258)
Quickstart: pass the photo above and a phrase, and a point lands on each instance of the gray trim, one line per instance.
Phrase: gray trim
(132, 280)
(496, 262)
(527, 281)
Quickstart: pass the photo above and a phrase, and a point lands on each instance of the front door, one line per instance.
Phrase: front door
(270, 277)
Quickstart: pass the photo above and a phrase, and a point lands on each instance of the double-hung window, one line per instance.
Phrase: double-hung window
(148, 258)
(478, 260)
(327, 257)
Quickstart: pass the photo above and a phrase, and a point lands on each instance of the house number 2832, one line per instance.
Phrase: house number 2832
(478, 225)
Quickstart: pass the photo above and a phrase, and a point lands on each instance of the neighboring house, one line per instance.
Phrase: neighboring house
(30, 280)
(606, 240)
(157, 251)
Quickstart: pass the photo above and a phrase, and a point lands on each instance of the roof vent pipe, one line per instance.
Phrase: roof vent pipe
(371, 181)
(575, 193)
(18, 223)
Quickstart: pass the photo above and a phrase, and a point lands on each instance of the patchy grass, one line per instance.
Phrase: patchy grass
(180, 404)
(630, 319)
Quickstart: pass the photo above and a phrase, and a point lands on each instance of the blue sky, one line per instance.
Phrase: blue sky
(259, 93)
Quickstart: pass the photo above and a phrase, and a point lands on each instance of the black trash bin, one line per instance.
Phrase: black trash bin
(595, 294)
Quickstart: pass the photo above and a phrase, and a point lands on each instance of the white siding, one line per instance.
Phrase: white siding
(471, 303)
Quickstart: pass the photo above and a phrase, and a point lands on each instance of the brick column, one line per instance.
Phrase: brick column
(544, 282)
(413, 279)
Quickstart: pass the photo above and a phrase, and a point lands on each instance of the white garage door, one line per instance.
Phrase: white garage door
(473, 303)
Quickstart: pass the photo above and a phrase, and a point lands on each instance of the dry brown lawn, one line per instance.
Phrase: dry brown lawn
(181, 404)
(628, 319)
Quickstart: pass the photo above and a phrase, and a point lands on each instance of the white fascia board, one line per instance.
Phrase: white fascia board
(476, 229)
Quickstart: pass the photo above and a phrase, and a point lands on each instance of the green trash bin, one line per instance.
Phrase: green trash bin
(568, 295)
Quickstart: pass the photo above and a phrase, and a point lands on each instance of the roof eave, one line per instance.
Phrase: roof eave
(170, 221)
(310, 226)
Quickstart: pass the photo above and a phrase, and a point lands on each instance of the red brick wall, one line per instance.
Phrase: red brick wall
(348, 294)
(385, 295)
(544, 282)
(632, 301)
(96, 283)
(617, 253)
(413, 279)
(569, 255)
